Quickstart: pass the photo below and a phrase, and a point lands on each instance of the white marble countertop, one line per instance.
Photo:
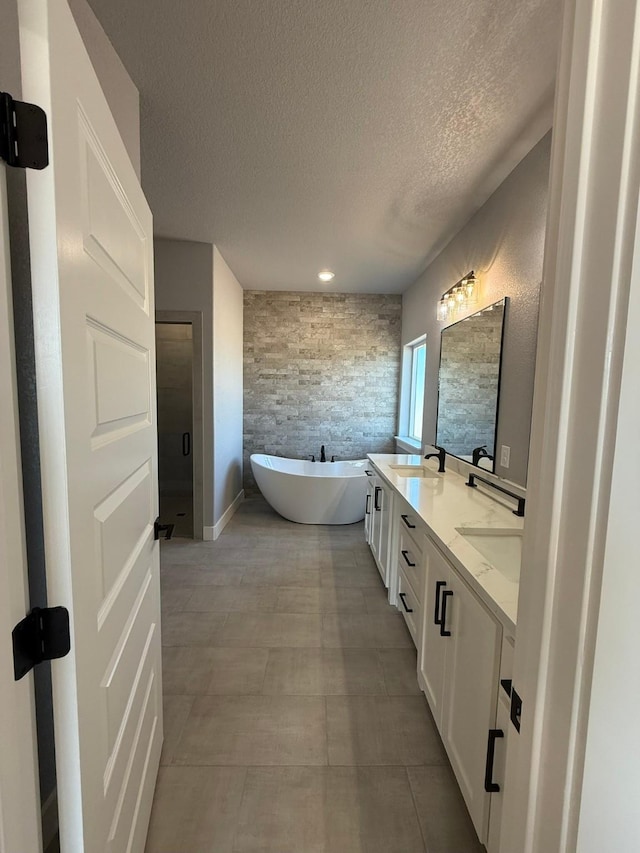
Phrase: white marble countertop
(443, 503)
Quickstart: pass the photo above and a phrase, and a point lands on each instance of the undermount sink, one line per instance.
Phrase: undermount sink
(501, 546)
(413, 471)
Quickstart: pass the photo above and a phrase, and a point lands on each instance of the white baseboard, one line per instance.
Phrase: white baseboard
(227, 515)
(49, 819)
(207, 534)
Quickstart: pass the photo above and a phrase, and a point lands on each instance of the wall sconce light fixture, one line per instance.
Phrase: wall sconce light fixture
(457, 298)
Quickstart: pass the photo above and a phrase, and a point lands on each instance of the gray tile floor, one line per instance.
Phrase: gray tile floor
(293, 721)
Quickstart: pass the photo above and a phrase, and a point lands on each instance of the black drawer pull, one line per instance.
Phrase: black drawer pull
(490, 786)
(405, 518)
(405, 554)
(368, 473)
(367, 503)
(404, 603)
(436, 612)
(376, 505)
(443, 613)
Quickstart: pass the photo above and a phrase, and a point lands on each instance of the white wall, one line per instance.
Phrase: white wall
(504, 244)
(227, 387)
(184, 282)
(194, 276)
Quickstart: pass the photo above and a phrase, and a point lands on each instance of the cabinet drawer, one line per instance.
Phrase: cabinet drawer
(411, 562)
(410, 522)
(409, 606)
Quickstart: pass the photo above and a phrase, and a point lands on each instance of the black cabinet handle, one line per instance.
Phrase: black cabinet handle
(368, 473)
(443, 613)
(405, 518)
(367, 504)
(405, 554)
(436, 612)
(186, 443)
(376, 506)
(490, 786)
(404, 603)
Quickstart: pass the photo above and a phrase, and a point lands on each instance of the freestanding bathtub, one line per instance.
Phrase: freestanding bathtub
(312, 492)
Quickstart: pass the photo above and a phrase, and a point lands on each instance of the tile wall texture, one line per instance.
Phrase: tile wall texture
(320, 369)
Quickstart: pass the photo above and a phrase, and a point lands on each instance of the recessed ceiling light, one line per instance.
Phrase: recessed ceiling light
(326, 275)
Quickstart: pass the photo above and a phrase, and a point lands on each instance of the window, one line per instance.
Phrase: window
(417, 353)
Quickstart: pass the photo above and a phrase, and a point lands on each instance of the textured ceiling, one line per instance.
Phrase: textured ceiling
(358, 135)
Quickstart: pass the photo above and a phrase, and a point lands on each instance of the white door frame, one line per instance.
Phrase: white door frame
(590, 269)
(20, 822)
(195, 318)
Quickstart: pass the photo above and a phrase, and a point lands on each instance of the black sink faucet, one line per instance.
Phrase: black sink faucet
(440, 454)
(323, 458)
(479, 453)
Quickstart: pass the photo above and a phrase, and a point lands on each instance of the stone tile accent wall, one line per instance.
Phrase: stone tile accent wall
(320, 369)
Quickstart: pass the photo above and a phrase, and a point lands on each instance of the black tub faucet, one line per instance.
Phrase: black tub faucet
(323, 458)
(440, 454)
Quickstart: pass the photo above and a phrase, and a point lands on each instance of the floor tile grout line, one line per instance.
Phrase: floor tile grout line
(240, 804)
(264, 674)
(326, 728)
(415, 808)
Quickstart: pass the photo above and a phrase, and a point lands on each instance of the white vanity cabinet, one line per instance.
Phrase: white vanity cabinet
(458, 670)
(378, 512)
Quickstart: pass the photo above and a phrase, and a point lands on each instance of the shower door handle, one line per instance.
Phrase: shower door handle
(186, 443)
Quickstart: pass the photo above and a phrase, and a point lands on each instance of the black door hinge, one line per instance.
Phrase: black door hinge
(42, 635)
(23, 134)
(158, 528)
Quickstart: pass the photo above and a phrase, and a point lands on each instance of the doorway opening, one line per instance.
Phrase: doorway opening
(175, 391)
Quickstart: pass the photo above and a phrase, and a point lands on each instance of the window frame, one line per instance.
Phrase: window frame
(412, 397)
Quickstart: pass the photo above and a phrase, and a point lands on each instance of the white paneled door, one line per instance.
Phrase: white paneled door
(19, 801)
(92, 270)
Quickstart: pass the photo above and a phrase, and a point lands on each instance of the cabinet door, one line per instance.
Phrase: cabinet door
(376, 510)
(368, 511)
(470, 693)
(386, 499)
(433, 646)
(498, 775)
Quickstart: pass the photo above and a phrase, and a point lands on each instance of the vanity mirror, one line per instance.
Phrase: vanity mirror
(469, 385)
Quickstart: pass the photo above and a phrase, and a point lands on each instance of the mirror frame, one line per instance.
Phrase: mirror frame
(505, 301)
